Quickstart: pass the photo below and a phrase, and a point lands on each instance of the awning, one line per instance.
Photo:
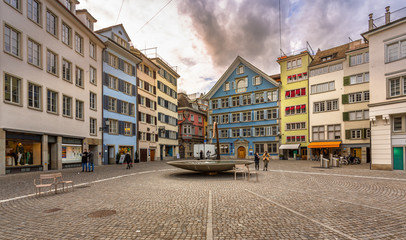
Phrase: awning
(289, 146)
(324, 145)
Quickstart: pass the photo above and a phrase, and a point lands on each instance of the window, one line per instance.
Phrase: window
(397, 86)
(12, 89)
(192, 117)
(259, 115)
(12, 41)
(327, 69)
(359, 78)
(291, 139)
(246, 99)
(235, 117)
(294, 63)
(296, 126)
(52, 23)
(242, 85)
(224, 103)
(259, 131)
(93, 101)
(396, 51)
(272, 114)
(127, 88)
(298, 109)
(67, 106)
(92, 50)
(52, 62)
(68, 4)
(235, 101)
(66, 34)
(227, 86)
(257, 80)
(112, 104)
(318, 133)
(356, 134)
(295, 93)
(246, 116)
(235, 132)
(200, 119)
(113, 126)
(79, 77)
(272, 96)
(34, 11)
(34, 53)
(397, 124)
(224, 149)
(225, 119)
(52, 101)
(14, 3)
(240, 70)
(93, 126)
(187, 129)
(79, 109)
(34, 96)
(325, 106)
(358, 115)
(113, 61)
(272, 148)
(127, 128)
(180, 116)
(297, 77)
(259, 97)
(323, 87)
(334, 132)
(79, 43)
(120, 41)
(246, 132)
(359, 59)
(66, 70)
(113, 82)
(92, 72)
(223, 133)
(128, 68)
(259, 148)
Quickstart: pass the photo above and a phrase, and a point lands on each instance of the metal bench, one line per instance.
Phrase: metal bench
(50, 180)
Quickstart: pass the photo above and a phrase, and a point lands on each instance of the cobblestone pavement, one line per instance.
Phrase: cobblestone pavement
(294, 200)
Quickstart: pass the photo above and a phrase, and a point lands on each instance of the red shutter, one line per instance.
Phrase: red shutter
(297, 138)
(292, 108)
(303, 91)
(304, 106)
(293, 93)
(287, 93)
(287, 109)
(298, 107)
(297, 91)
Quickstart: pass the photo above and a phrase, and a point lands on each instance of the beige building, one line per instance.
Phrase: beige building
(167, 99)
(146, 108)
(325, 108)
(50, 87)
(387, 106)
(355, 102)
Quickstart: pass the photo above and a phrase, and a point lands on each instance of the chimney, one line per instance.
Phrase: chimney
(370, 22)
(387, 15)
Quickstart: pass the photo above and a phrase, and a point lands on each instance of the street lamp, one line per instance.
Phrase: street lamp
(106, 125)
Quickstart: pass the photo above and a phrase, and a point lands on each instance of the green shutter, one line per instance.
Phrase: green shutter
(346, 116)
(347, 134)
(347, 81)
(345, 99)
(363, 133)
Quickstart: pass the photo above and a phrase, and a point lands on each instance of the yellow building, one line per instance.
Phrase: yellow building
(294, 101)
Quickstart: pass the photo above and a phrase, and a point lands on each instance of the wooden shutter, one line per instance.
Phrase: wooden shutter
(133, 70)
(148, 136)
(154, 90)
(148, 118)
(121, 64)
(346, 116)
(134, 130)
(121, 127)
(347, 134)
(345, 99)
(133, 90)
(105, 79)
(119, 103)
(105, 102)
(346, 81)
(105, 56)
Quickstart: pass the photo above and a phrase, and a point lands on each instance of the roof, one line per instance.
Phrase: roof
(335, 53)
(276, 77)
(229, 71)
(142, 56)
(184, 102)
(111, 27)
(87, 13)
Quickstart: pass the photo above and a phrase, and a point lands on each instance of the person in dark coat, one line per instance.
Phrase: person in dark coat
(91, 164)
(128, 160)
(85, 155)
(201, 154)
(256, 160)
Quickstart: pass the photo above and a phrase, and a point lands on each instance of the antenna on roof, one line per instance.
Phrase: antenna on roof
(310, 47)
(282, 53)
(350, 39)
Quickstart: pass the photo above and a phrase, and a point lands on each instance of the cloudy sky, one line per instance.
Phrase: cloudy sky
(203, 37)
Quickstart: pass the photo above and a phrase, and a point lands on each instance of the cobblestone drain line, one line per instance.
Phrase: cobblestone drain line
(339, 175)
(209, 232)
(87, 183)
(302, 215)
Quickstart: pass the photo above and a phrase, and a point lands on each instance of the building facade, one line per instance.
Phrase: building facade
(356, 141)
(167, 99)
(325, 109)
(119, 94)
(387, 105)
(191, 122)
(147, 108)
(244, 104)
(294, 105)
(50, 68)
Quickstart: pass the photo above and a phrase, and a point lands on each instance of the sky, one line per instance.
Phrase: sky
(201, 38)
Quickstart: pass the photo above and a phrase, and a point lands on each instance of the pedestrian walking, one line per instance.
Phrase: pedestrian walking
(128, 160)
(256, 160)
(91, 163)
(265, 158)
(201, 154)
(208, 154)
(85, 155)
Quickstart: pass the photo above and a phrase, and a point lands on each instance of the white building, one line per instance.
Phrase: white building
(387, 108)
(50, 85)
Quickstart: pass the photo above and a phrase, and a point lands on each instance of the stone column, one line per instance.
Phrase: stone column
(364, 155)
(56, 154)
(2, 152)
(45, 156)
(98, 155)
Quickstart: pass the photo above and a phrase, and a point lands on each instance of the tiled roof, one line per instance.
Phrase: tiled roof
(335, 54)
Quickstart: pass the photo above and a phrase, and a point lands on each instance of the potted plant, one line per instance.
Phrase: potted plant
(280, 156)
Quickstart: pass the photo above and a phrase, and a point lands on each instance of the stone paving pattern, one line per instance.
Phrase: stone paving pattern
(295, 200)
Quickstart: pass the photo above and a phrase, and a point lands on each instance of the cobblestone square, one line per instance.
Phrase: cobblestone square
(294, 200)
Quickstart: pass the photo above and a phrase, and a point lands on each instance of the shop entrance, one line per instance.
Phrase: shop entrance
(398, 159)
(241, 152)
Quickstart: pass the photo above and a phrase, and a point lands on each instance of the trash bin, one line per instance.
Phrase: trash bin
(325, 163)
(336, 162)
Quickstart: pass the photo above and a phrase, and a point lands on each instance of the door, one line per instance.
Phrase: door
(398, 158)
(111, 154)
(143, 155)
(152, 154)
(356, 152)
(241, 152)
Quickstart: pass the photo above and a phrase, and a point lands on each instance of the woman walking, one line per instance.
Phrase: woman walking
(265, 158)
(256, 160)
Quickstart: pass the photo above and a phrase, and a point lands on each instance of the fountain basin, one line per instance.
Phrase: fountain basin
(208, 165)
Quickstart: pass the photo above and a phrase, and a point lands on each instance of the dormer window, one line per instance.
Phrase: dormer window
(120, 41)
(240, 70)
(227, 86)
(89, 23)
(68, 5)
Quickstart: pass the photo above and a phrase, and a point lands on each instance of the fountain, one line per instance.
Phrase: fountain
(208, 165)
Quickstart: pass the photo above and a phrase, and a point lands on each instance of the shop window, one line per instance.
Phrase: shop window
(23, 152)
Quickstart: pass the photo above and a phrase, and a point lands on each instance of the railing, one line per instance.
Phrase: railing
(153, 53)
(395, 15)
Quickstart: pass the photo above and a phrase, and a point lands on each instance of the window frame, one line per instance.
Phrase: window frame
(67, 40)
(55, 62)
(10, 41)
(66, 74)
(50, 104)
(19, 82)
(55, 23)
(79, 109)
(39, 13)
(92, 101)
(39, 52)
(67, 112)
(79, 41)
(93, 125)
(29, 84)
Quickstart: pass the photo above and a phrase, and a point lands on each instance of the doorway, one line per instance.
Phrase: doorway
(111, 155)
(143, 155)
(241, 152)
(356, 152)
(398, 158)
(152, 154)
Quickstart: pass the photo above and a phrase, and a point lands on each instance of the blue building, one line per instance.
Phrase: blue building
(119, 94)
(244, 103)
